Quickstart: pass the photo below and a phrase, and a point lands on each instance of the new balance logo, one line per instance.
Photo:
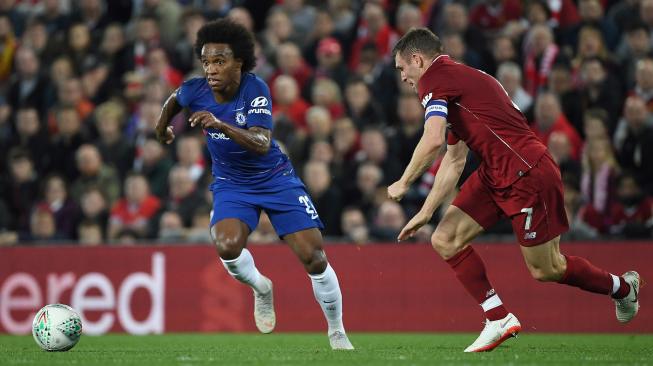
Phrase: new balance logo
(426, 99)
(530, 236)
(490, 292)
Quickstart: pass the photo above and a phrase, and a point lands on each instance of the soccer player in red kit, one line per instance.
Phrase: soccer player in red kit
(517, 178)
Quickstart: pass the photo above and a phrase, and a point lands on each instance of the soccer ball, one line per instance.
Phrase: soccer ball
(56, 327)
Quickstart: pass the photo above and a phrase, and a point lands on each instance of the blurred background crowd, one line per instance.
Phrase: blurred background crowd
(82, 83)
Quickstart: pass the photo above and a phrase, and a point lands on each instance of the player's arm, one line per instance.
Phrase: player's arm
(423, 157)
(446, 178)
(255, 139)
(170, 108)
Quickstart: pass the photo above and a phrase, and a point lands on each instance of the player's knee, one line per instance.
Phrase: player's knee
(444, 243)
(314, 262)
(229, 246)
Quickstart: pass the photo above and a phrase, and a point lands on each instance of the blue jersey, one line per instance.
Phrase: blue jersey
(251, 106)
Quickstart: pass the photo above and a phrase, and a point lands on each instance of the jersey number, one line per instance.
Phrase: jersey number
(529, 216)
(310, 209)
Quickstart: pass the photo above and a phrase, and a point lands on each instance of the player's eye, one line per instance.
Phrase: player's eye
(205, 63)
(220, 62)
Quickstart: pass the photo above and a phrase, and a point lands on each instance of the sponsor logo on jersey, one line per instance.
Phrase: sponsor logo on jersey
(259, 102)
(218, 136)
(530, 236)
(259, 111)
(240, 119)
(490, 293)
(426, 99)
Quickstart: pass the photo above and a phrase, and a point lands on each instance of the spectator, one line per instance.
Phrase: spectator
(510, 77)
(288, 104)
(31, 136)
(241, 16)
(155, 165)
(65, 210)
(42, 228)
(89, 233)
(633, 142)
(454, 45)
(70, 93)
(369, 177)
(326, 196)
(578, 228)
(93, 172)
(184, 55)
(591, 13)
(389, 221)
(560, 82)
(374, 149)
(29, 87)
(278, 30)
(360, 106)
(632, 214)
(8, 45)
(290, 62)
(354, 226)
(61, 70)
(408, 16)
(326, 93)
(373, 28)
(115, 150)
(183, 196)
(409, 130)
(171, 228)
(66, 142)
(598, 183)
(503, 50)
(637, 47)
(36, 37)
(302, 17)
(540, 55)
(92, 14)
(79, 45)
(323, 29)
(159, 66)
(330, 64)
(492, 15)
(644, 82)
(190, 157)
(21, 189)
(549, 118)
(343, 15)
(94, 208)
(595, 125)
(600, 89)
(198, 232)
(134, 210)
(168, 15)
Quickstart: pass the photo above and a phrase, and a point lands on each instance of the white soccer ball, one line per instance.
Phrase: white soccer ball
(57, 327)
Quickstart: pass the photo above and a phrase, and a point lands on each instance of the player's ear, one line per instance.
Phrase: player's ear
(417, 59)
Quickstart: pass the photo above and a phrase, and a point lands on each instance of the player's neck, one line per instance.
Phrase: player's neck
(227, 94)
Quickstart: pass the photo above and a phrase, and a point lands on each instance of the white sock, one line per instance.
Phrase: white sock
(616, 284)
(491, 302)
(244, 270)
(327, 293)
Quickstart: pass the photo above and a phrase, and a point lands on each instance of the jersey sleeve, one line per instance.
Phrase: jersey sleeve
(186, 92)
(258, 103)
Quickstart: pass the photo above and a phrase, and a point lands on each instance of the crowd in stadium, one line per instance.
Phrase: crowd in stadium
(82, 83)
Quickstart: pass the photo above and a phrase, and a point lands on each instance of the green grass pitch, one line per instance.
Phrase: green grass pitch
(313, 349)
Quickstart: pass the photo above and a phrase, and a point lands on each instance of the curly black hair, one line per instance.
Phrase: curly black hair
(239, 39)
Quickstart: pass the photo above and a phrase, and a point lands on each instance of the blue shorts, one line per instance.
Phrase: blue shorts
(287, 203)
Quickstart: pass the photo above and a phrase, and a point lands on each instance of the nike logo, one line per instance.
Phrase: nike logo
(239, 109)
(634, 290)
(505, 322)
(329, 302)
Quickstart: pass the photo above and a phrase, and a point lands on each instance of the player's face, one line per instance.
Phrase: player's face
(222, 70)
(409, 71)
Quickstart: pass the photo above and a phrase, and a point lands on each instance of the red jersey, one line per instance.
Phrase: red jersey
(480, 112)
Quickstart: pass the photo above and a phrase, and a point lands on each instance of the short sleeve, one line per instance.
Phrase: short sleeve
(186, 92)
(258, 103)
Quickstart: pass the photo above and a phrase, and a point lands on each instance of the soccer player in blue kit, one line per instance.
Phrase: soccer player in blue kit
(233, 106)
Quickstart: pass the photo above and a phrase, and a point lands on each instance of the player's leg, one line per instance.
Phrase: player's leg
(231, 223)
(471, 212)
(296, 221)
(547, 264)
(536, 207)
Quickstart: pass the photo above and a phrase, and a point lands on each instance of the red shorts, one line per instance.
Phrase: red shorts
(534, 203)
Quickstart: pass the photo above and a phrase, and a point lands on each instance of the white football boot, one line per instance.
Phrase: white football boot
(339, 340)
(627, 307)
(264, 310)
(494, 333)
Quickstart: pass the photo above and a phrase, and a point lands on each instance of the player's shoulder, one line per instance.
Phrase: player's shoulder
(254, 83)
(193, 82)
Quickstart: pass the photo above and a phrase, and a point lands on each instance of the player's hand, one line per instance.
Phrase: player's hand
(397, 190)
(419, 220)
(204, 119)
(165, 136)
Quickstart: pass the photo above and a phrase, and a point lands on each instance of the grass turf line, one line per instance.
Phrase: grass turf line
(313, 349)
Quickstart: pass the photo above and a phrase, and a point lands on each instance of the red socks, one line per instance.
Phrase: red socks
(583, 274)
(470, 271)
